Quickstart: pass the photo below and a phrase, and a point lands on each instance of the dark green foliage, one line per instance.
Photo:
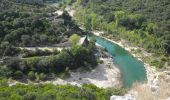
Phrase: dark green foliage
(6, 49)
(31, 75)
(18, 75)
(134, 22)
(144, 23)
(42, 77)
(27, 53)
(75, 57)
(32, 25)
(4, 72)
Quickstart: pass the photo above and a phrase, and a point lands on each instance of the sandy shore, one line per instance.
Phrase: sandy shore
(104, 75)
(101, 76)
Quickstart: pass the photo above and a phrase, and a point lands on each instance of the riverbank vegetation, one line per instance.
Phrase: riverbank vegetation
(143, 25)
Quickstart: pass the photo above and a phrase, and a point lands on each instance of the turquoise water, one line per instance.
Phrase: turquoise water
(132, 70)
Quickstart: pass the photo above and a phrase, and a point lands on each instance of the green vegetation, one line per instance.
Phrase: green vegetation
(26, 24)
(143, 25)
(32, 25)
(73, 58)
(74, 39)
(56, 92)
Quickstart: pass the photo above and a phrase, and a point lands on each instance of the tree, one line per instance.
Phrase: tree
(151, 28)
(74, 39)
(43, 38)
(31, 75)
(4, 71)
(18, 75)
(43, 77)
(118, 16)
(93, 21)
(25, 40)
(79, 55)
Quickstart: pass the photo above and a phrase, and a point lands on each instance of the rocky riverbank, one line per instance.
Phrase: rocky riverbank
(155, 78)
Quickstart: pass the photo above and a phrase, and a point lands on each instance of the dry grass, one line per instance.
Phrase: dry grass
(144, 92)
(164, 90)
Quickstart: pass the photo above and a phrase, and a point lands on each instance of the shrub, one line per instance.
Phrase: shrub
(43, 77)
(30, 96)
(31, 75)
(4, 71)
(3, 83)
(18, 75)
(64, 75)
(74, 39)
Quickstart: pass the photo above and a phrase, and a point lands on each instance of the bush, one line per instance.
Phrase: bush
(64, 75)
(53, 92)
(43, 77)
(31, 75)
(74, 39)
(30, 96)
(3, 82)
(4, 71)
(18, 75)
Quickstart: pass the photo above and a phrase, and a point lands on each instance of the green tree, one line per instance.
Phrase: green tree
(74, 39)
(118, 16)
(31, 75)
(43, 38)
(42, 76)
(18, 75)
(5, 72)
(25, 40)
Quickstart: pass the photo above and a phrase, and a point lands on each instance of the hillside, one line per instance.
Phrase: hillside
(84, 49)
(23, 26)
(143, 23)
(29, 25)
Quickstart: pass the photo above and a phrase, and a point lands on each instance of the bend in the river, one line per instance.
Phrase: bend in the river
(132, 70)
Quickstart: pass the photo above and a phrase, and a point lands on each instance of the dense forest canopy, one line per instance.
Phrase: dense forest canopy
(148, 16)
(32, 25)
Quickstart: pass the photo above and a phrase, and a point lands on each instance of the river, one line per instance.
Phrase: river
(132, 70)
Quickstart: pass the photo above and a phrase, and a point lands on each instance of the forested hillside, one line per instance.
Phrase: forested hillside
(144, 23)
(32, 25)
(27, 25)
(42, 43)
